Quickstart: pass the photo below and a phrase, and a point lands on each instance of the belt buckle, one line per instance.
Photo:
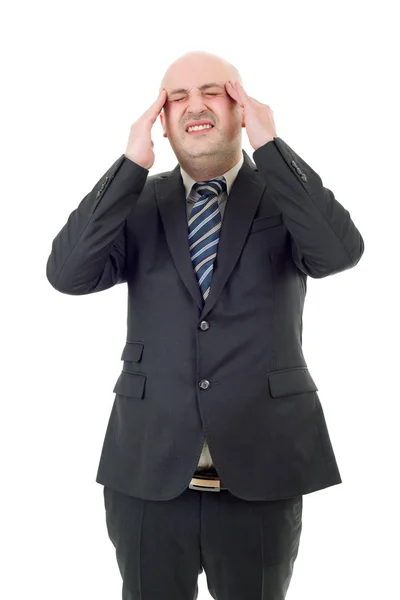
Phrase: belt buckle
(205, 483)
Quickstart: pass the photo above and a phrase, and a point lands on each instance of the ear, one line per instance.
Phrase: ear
(162, 119)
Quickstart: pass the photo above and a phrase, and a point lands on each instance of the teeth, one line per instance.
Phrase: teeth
(199, 127)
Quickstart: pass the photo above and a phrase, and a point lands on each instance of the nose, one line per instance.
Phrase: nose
(196, 105)
(195, 98)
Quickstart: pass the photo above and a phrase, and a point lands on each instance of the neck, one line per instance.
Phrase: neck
(204, 168)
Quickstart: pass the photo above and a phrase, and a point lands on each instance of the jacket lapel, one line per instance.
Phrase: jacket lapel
(240, 208)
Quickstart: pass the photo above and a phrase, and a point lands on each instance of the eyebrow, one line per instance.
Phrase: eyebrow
(202, 87)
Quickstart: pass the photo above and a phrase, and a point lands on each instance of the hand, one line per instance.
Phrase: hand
(140, 145)
(259, 120)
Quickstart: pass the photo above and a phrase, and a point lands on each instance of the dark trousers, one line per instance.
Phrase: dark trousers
(247, 549)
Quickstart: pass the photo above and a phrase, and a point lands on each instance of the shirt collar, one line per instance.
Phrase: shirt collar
(230, 177)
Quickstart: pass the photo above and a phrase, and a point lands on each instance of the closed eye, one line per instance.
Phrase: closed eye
(209, 94)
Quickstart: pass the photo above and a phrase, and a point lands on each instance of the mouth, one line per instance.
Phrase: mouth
(200, 131)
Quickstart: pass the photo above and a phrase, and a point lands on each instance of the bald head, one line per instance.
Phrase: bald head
(203, 64)
(196, 89)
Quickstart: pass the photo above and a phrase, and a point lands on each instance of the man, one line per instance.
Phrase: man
(216, 431)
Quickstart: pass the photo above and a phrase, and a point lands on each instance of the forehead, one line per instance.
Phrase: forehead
(198, 72)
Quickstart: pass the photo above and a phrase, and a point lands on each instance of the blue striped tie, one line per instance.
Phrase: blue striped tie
(204, 230)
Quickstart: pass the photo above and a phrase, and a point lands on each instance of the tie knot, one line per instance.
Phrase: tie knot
(212, 187)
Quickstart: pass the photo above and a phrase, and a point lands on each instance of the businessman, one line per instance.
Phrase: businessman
(216, 431)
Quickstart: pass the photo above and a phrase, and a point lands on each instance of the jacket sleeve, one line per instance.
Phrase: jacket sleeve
(88, 254)
(324, 239)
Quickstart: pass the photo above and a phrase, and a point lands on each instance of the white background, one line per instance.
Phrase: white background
(75, 76)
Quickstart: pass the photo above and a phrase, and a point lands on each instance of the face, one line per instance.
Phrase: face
(196, 91)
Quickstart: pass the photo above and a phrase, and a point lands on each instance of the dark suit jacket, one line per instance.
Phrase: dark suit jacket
(257, 404)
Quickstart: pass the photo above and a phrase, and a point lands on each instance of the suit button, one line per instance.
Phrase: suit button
(204, 325)
(204, 384)
(304, 177)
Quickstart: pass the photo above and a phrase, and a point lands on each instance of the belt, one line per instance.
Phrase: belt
(206, 481)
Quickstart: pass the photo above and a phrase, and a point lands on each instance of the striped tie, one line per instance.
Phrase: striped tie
(204, 228)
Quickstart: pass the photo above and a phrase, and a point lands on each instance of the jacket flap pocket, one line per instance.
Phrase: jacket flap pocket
(291, 381)
(132, 351)
(266, 222)
(130, 384)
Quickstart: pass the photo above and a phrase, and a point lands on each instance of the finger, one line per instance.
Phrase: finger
(231, 91)
(156, 107)
(162, 96)
(235, 93)
(241, 93)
